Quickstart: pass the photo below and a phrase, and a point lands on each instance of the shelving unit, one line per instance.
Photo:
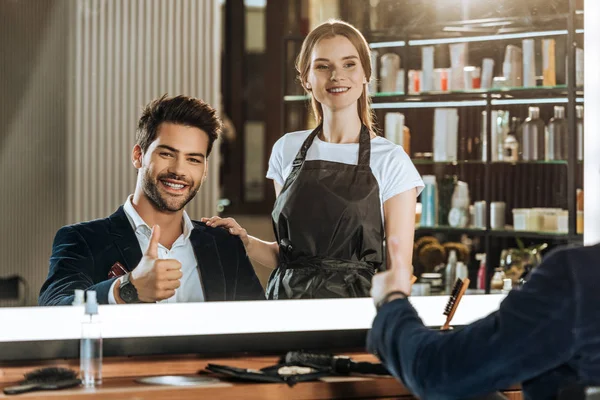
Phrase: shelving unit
(569, 172)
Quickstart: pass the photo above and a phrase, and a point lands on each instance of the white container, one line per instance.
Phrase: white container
(480, 214)
(458, 61)
(535, 220)
(427, 57)
(529, 63)
(487, 73)
(414, 81)
(394, 127)
(497, 214)
(390, 64)
(445, 134)
(441, 78)
(562, 221)
(512, 67)
(472, 77)
(548, 219)
(400, 81)
(520, 216)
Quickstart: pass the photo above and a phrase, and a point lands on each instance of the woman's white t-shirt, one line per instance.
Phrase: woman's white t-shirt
(391, 166)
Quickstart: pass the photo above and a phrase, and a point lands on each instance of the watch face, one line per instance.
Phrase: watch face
(128, 293)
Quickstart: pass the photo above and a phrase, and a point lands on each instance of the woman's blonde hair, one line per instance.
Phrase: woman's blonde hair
(328, 30)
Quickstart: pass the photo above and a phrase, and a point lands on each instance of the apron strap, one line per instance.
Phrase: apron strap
(300, 157)
(364, 147)
(364, 152)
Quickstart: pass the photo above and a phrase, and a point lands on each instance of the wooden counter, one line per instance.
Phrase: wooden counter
(119, 376)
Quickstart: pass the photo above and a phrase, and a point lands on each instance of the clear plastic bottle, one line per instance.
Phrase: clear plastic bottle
(579, 113)
(90, 349)
(557, 136)
(451, 271)
(429, 201)
(533, 136)
(511, 143)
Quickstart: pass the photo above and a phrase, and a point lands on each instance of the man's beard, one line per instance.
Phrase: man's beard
(152, 191)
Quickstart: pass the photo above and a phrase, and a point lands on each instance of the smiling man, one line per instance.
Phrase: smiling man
(150, 250)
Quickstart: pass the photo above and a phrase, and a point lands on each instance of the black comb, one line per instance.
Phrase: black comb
(459, 289)
(51, 378)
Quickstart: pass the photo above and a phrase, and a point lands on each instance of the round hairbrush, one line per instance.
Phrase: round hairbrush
(422, 242)
(52, 378)
(431, 255)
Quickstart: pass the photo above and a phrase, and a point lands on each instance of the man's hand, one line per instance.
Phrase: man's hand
(397, 277)
(155, 279)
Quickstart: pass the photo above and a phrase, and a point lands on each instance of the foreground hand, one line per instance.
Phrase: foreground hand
(231, 225)
(397, 277)
(156, 279)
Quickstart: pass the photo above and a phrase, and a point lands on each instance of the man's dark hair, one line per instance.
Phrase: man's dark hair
(180, 110)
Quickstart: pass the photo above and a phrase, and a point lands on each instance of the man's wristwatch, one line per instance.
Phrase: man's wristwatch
(127, 291)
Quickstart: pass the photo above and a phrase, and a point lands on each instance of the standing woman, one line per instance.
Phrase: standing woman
(341, 189)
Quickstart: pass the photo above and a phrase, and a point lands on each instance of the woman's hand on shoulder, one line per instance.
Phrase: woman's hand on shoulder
(231, 225)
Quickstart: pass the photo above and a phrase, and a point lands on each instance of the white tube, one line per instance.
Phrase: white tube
(427, 68)
(529, 63)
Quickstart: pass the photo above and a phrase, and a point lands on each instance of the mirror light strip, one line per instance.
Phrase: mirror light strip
(227, 318)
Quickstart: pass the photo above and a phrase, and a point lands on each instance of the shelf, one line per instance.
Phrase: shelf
(418, 161)
(464, 98)
(498, 233)
(450, 229)
(540, 162)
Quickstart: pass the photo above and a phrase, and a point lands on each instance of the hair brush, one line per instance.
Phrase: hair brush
(51, 378)
(459, 289)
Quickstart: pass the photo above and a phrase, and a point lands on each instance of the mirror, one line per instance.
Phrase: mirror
(79, 72)
(32, 333)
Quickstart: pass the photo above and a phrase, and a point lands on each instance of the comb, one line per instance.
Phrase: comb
(459, 289)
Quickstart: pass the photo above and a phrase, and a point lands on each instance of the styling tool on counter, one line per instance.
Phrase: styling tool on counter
(279, 373)
(460, 287)
(52, 378)
(336, 364)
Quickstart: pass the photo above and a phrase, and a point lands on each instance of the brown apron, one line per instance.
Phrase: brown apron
(327, 221)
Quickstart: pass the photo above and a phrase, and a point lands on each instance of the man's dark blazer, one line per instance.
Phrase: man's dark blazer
(83, 254)
(546, 335)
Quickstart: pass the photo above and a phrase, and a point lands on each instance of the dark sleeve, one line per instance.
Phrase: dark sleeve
(531, 333)
(248, 285)
(71, 267)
